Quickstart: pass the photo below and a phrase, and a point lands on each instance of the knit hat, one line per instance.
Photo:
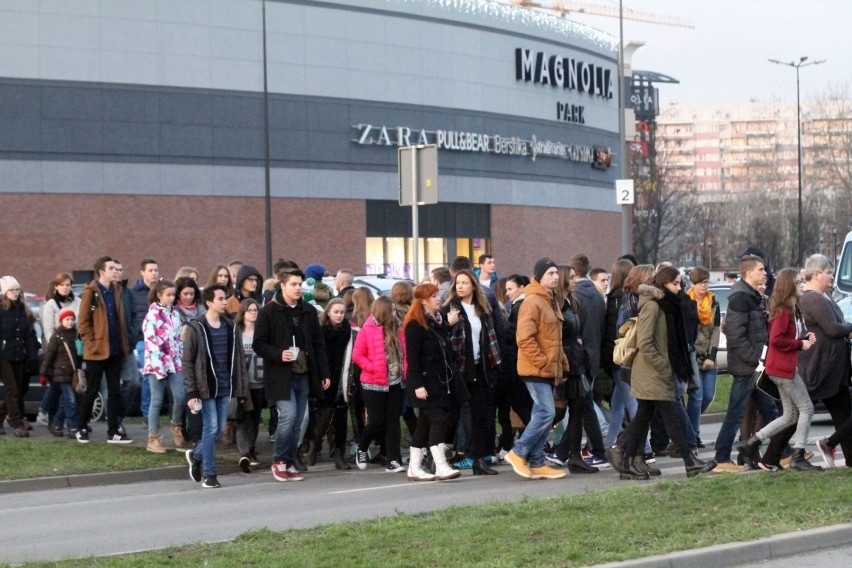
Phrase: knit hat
(315, 271)
(66, 314)
(542, 266)
(7, 283)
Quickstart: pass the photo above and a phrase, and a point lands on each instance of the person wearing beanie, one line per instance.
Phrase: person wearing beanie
(541, 364)
(59, 366)
(315, 271)
(18, 352)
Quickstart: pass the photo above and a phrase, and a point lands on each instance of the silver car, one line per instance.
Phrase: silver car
(721, 292)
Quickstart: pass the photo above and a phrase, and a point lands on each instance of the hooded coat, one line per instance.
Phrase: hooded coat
(652, 377)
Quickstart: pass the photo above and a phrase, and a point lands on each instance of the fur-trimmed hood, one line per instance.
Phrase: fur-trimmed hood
(648, 292)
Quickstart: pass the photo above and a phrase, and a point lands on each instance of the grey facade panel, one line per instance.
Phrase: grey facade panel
(112, 123)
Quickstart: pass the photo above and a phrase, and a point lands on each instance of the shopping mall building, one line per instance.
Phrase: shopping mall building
(140, 128)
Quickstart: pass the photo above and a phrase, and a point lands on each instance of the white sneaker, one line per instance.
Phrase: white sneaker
(42, 418)
(501, 456)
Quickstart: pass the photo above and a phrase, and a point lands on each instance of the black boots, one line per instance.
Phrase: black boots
(615, 456)
(694, 466)
(339, 461)
(639, 462)
(576, 464)
(750, 451)
(482, 467)
(799, 463)
(630, 471)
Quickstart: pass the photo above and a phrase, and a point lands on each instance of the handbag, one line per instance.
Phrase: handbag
(78, 379)
(761, 381)
(767, 386)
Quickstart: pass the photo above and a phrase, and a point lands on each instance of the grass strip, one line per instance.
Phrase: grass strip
(723, 393)
(22, 458)
(636, 520)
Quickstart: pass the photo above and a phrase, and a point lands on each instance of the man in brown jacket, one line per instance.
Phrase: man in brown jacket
(541, 362)
(101, 325)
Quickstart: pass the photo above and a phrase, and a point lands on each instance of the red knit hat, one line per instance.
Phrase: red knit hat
(66, 314)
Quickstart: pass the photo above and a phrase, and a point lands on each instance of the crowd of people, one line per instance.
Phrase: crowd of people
(454, 358)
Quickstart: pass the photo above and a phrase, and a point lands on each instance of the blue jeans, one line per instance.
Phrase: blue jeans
(67, 410)
(291, 414)
(622, 402)
(158, 389)
(214, 415)
(145, 402)
(708, 387)
(531, 443)
(741, 390)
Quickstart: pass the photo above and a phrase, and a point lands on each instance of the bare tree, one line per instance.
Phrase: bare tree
(666, 205)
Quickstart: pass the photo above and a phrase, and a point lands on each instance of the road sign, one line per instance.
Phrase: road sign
(624, 194)
(425, 174)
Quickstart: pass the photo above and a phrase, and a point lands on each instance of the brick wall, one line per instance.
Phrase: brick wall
(42, 234)
(522, 235)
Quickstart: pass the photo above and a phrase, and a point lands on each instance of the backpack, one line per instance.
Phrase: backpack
(625, 345)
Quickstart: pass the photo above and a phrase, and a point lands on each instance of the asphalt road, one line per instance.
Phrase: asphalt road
(76, 522)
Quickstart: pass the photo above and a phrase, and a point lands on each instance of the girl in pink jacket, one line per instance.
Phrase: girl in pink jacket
(378, 353)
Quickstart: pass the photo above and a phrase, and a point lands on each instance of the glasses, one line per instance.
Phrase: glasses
(251, 311)
(703, 283)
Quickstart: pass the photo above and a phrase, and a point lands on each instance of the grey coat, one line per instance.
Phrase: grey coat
(825, 366)
(745, 329)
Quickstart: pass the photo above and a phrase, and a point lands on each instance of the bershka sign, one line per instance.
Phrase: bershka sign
(563, 72)
(463, 141)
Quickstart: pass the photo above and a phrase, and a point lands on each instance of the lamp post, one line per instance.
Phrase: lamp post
(802, 62)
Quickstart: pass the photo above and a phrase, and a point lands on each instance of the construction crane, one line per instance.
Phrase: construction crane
(564, 7)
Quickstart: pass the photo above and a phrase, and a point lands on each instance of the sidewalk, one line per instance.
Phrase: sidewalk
(773, 548)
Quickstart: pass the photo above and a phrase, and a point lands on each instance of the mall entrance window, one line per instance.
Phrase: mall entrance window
(393, 256)
(446, 230)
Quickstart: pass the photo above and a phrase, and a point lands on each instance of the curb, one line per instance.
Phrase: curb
(736, 553)
(104, 478)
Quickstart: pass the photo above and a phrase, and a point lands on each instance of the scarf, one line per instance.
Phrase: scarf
(436, 317)
(672, 306)
(705, 307)
(59, 299)
(190, 310)
(457, 341)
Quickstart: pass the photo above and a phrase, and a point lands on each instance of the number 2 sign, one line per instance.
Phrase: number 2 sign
(624, 194)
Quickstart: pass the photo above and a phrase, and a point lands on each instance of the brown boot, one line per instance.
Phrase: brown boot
(155, 444)
(177, 435)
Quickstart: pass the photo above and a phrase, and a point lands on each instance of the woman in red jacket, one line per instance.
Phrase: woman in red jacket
(786, 326)
(378, 353)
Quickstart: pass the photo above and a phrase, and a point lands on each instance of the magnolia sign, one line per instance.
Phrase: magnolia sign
(466, 141)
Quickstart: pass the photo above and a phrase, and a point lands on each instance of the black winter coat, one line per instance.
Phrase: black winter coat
(430, 363)
(56, 364)
(274, 332)
(18, 341)
(745, 329)
(613, 304)
(336, 341)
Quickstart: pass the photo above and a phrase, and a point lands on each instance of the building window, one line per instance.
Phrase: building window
(393, 256)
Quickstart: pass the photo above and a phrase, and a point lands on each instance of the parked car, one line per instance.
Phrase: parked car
(379, 284)
(721, 292)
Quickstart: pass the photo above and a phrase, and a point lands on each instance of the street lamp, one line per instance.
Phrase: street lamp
(797, 64)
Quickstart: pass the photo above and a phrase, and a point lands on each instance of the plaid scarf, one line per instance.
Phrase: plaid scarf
(457, 340)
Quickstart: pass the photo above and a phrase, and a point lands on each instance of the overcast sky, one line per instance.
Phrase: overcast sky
(724, 58)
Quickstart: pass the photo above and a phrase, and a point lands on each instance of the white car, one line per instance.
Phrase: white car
(721, 291)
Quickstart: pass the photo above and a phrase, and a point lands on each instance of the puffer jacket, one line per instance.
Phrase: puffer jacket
(652, 376)
(539, 336)
(161, 329)
(369, 353)
(57, 365)
(745, 329)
